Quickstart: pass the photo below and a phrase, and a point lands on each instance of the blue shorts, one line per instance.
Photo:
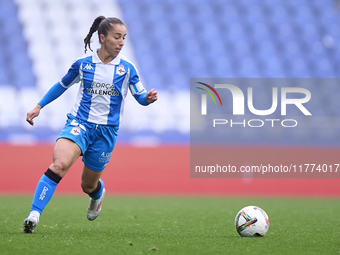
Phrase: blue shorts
(95, 141)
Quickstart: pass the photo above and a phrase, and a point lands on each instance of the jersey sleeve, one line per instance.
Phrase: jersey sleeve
(56, 91)
(73, 75)
(136, 87)
(59, 88)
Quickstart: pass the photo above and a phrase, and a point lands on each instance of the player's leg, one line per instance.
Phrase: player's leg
(65, 153)
(95, 160)
(94, 187)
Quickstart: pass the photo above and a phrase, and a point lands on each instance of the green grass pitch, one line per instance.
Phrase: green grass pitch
(167, 225)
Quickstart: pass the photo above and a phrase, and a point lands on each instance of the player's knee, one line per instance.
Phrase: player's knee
(87, 187)
(59, 167)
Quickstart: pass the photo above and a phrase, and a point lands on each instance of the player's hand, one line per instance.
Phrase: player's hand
(151, 96)
(32, 114)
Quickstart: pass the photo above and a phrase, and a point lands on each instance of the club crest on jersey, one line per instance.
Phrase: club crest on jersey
(75, 131)
(120, 70)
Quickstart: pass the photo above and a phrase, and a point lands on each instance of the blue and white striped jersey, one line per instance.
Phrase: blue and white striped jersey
(103, 88)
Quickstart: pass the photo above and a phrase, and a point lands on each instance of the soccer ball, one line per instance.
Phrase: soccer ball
(252, 221)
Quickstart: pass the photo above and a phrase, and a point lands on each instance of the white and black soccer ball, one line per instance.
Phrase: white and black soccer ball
(252, 221)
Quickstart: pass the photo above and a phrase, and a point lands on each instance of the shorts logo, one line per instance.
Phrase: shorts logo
(75, 131)
(74, 123)
(105, 157)
(120, 70)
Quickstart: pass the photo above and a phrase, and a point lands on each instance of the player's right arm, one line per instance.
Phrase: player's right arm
(33, 113)
(56, 91)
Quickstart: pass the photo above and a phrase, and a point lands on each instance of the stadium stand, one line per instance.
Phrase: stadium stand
(170, 41)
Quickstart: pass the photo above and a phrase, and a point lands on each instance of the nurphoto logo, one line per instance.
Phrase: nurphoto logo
(239, 98)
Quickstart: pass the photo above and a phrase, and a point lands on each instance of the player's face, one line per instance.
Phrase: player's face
(113, 42)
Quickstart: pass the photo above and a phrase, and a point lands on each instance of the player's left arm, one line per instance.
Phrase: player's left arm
(140, 94)
(151, 96)
(138, 91)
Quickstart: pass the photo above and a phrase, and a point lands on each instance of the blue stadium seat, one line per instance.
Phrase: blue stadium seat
(299, 68)
(185, 30)
(324, 68)
(11, 24)
(273, 68)
(260, 32)
(7, 10)
(248, 68)
(25, 79)
(297, 4)
(4, 77)
(18, 67)
(221, 66)
(229, 18)
(321, 5)
(235, 33)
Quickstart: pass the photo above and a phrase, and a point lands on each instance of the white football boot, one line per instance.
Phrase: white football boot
(31, 222)
(95, 207)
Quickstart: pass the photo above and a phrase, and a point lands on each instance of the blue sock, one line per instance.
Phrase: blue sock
(97, 193)
(44, 190)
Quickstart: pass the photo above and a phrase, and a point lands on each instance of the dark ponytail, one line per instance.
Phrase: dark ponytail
(103, 25)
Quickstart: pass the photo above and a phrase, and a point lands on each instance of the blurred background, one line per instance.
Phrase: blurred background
(170, 42)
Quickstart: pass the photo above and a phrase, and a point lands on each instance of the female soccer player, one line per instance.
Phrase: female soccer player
(105, 77)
